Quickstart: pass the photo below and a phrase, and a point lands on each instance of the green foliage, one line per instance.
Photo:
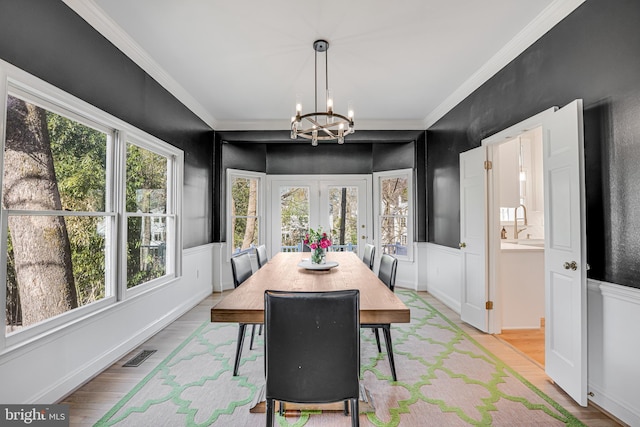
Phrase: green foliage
(294, 211)
(145, 193)
(79, 154)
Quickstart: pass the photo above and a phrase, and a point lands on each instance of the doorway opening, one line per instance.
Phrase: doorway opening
(519, 190)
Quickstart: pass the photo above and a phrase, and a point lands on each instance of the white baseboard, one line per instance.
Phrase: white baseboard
(85, 373)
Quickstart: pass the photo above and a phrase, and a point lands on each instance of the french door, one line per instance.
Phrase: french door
(340, 205)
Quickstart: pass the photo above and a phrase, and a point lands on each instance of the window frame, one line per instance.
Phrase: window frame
(16, 82)
(377, 199)
(260, 209)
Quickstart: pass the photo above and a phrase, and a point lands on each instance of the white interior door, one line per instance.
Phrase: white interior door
(565, 252)
(473, 238)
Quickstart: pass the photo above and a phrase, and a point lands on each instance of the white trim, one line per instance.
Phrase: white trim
(317, 185)
(444, 274)
(550, 16)
(35, 90)
(102, 23)
(408, 173)
(260, 209)
(613, 368)
(51, 368)
(623, 293)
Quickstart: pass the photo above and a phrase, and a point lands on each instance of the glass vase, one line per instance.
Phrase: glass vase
(318, 256)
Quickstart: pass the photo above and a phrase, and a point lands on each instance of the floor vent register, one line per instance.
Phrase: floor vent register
(139, 358)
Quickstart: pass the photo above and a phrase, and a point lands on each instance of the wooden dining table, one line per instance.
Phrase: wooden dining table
(378, 304)
(287, 272)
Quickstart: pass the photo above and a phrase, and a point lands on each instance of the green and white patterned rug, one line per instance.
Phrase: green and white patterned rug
(445, 378)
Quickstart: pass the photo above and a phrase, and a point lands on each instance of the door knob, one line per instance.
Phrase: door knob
(571, 265)
(462, 245)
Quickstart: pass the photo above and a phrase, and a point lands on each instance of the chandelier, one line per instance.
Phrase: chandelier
(322, 125)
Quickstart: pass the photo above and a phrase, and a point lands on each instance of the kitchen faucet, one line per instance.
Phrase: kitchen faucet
(515, 221)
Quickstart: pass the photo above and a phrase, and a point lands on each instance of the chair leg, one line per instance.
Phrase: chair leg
(260, 330)
(375, 331)
(386, 329)
(241, 329)
(253, 334)
(355, 412)
(269, 403)
(346, 408)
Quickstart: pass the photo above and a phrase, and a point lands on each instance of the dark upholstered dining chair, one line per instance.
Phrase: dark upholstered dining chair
(241, 269)
(387, 274)
(369, 255)
(261, 254)
(312, 349)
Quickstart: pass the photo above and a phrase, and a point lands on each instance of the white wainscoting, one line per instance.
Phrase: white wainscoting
(614, 346)
(444, 275)
(50, 367)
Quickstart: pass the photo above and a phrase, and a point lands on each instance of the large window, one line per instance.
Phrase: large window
(78, 229)
(245, 206)
(394, 211)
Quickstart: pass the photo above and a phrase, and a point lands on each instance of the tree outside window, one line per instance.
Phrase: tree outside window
(59, 213)
(394, 214)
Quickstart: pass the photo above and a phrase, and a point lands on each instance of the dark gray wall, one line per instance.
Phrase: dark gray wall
(48, 40)
(301, 158)
(592, 54)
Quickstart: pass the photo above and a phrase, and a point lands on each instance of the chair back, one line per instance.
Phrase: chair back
(387, 272)
(369, 255)
(241, 268)
(312, 346)
(261, 253)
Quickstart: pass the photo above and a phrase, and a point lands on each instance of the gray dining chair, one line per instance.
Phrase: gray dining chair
(312, 349)
(387, 274)
(241, 270)
(261, 254)
(369, 255)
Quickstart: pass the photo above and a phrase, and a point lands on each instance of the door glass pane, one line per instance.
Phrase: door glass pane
(294, 214)
(343, 217)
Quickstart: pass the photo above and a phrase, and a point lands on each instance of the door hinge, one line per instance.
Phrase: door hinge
(488, 164)
(488, 305)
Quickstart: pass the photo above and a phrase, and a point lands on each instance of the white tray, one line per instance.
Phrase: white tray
(308, 265)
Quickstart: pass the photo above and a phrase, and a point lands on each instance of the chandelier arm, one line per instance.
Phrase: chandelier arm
(321, 127)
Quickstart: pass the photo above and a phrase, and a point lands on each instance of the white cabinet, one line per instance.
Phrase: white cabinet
(508, 174)
(521, 276)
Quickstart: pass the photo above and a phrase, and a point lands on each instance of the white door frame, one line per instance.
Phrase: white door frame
(493, 252)
(318, 186)
(569, 367)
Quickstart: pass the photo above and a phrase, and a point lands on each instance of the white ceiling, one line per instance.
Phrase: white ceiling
(241, 64)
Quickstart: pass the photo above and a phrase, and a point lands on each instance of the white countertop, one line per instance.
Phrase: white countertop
(521, 246)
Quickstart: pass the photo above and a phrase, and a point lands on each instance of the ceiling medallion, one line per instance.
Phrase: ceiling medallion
(322, 125)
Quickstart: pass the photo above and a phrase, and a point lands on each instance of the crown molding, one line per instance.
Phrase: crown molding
(547, 19)
(280, 124)
(101, 22)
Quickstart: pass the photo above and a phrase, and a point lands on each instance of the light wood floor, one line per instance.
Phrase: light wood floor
(90, 402)
(528, 341)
